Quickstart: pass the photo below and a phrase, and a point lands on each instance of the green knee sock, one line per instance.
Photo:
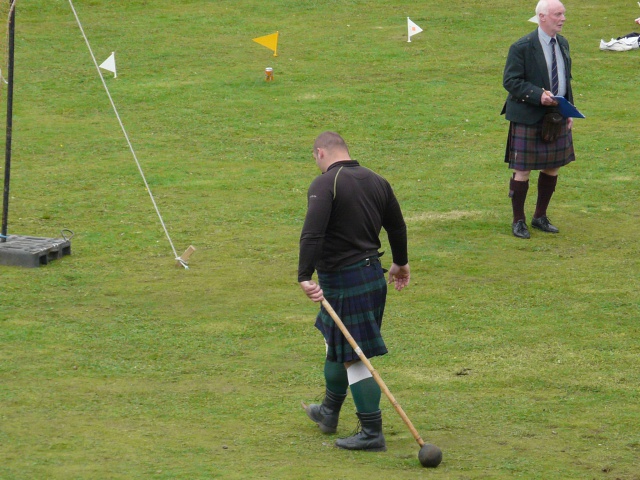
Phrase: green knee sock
(366, 395)
(335, 376)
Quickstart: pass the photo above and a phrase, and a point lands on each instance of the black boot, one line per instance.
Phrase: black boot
(369, 438)
(326, 414)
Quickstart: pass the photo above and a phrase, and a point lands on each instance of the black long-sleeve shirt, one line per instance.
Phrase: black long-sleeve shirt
(348, 205)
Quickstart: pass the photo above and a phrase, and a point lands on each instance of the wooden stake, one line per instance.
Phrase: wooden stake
(185, 256)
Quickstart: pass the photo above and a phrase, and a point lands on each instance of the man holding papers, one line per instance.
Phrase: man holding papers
(538, 68)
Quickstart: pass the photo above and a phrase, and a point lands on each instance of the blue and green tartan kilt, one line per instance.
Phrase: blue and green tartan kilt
(358, 294)
(527, 151)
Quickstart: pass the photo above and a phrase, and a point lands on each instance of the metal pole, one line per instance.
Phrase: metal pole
(7, 161)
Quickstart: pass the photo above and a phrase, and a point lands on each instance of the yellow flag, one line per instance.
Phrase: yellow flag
(269, 41)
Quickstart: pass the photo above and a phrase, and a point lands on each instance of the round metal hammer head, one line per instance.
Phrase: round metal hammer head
(430, 456)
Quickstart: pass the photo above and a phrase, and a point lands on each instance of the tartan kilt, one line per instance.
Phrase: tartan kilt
(358, 295)
(526, 150)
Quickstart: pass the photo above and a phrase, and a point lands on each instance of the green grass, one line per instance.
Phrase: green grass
(520, 359)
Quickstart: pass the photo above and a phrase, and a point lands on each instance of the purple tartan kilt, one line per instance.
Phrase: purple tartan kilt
(358, 294)
(526, 150)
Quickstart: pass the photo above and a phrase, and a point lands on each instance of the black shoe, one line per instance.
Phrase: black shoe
(369, 438)
(326, 414)
(543, 223)
(520, 229)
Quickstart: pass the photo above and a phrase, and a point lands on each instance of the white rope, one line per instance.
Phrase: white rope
(182, 262)
(11, 8)
(175, 254)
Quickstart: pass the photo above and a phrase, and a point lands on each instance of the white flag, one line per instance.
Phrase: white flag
(413, 28)
(110, 64)
(534, 19)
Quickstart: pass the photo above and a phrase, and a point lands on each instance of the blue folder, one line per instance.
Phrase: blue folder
(567, 109)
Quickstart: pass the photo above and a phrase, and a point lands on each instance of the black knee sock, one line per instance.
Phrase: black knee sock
(518, 193)
(546, 187)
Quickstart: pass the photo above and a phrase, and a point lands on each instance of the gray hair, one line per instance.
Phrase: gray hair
(542, 7)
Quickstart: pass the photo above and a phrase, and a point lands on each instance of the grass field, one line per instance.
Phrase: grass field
(520, 359)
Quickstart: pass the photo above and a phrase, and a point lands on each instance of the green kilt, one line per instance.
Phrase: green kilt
(358, 294)
(527, 151)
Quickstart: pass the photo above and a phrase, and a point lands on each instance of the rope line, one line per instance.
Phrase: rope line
(126, 136)
(11, 8)
(182, 262)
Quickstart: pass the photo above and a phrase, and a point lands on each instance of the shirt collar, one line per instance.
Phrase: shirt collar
(544, 37)
(345, 163)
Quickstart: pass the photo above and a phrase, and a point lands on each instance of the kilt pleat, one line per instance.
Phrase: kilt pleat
(358, 296)
(527, 151)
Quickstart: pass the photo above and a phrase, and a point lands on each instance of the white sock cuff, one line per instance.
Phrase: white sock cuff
(358, 372)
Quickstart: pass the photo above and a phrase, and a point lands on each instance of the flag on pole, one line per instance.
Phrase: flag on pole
(534, 19)
(413, 29)
(269, 41)
(110, 64)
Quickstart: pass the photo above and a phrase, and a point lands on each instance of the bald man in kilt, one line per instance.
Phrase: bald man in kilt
(347, 206)
(538, 67)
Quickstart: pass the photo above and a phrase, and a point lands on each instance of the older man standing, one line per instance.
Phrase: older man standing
(538, 68)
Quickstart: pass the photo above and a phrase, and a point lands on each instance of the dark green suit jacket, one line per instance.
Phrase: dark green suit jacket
(525, 75)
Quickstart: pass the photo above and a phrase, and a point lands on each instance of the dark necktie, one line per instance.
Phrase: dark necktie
(554, 68)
